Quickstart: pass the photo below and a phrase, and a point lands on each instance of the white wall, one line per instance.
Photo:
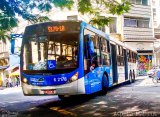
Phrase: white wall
(141, 45)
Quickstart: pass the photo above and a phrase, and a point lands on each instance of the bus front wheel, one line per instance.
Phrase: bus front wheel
(62, 97)
(105, 84)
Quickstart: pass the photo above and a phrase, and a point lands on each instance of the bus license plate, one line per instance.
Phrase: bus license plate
(49, 91)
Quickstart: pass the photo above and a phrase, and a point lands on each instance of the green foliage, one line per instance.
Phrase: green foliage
(4, 35)
(100, 21)
(44, 7)
(85, 6)
(102, 6)
(23, 8)
(63, 3)
(119, 8)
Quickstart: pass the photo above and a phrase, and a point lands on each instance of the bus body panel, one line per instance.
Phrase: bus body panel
(121, 74)
(93, 80)
(85, 84)
(76, 87)
(49, 80)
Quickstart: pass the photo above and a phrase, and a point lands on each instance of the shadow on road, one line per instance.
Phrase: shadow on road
(118, 102)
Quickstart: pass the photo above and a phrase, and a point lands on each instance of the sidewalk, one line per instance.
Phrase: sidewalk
(4, 90)
(146, 81)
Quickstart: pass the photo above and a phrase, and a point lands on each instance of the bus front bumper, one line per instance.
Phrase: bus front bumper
(76, 87)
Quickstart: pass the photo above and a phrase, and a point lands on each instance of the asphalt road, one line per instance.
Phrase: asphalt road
(141, 98)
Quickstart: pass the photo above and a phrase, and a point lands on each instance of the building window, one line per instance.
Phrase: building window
(139, 23)
(144, 2)
(154, 10)
(153, 2)
(102, 28)
(130, 22)
(72, 17)
(139, 2)
(113, 25)
(143, 23)
(154, 14)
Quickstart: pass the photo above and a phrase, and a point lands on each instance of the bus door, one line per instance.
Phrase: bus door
(91, 62)
(126, 64)
(114, 63)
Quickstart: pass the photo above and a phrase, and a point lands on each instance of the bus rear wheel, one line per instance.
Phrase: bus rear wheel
(130, 77)
(133, 75)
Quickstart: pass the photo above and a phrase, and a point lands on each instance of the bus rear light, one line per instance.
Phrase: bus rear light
(74, 77)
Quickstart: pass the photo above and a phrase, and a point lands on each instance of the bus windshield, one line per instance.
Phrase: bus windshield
(50, 52)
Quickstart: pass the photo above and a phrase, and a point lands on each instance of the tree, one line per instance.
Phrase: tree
(95, 8)
(10, 9)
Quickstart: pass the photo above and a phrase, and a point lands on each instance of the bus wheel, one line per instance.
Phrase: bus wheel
(105, 84)
(62, 97)
(133, 76)
(130, 77)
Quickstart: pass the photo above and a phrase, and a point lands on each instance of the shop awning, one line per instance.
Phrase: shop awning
(12, 67)
(15, 73)
(3, 67)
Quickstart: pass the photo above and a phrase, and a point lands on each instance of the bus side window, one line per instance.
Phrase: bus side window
(118, 55)
(129, 56)
(122, 56)
(105, 52)
(95, 57)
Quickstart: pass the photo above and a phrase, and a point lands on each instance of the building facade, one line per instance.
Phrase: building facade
(156, 24)
(4, 61)
(138, 32)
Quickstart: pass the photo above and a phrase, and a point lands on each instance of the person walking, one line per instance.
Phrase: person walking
(17, 81)
(7, 82)
(10, 81)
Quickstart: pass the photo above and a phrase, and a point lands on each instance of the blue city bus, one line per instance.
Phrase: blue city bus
(67, 58)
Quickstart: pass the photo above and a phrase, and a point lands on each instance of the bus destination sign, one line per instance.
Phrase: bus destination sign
(60, 28)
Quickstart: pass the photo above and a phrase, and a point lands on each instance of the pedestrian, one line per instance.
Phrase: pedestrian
(10, 81)
(17, 81)
(7, 82)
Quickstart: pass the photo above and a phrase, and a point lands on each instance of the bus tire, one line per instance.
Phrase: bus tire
(105, 84)
(133, 74)
(130, 77)
(62, 97)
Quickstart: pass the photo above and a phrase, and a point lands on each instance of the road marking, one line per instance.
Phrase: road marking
(65, 112)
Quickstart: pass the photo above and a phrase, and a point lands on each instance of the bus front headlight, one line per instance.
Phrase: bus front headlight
(24, 80)
(73, 78)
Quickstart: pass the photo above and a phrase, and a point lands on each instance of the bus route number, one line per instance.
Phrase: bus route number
(56, 28)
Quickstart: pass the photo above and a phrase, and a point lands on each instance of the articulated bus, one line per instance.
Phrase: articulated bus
(71, 58)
